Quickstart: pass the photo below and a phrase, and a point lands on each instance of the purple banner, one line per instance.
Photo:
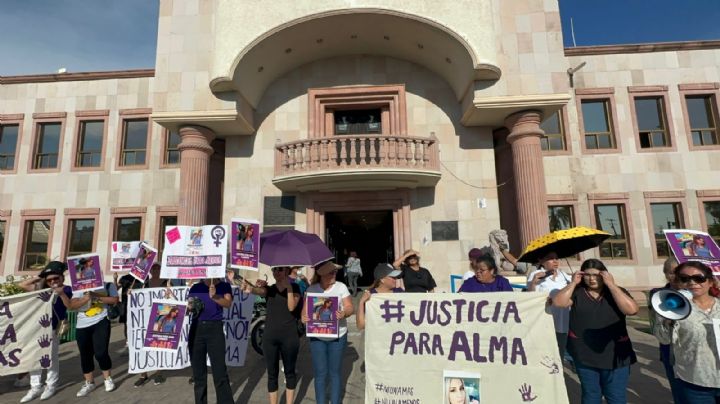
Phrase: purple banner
(322, 311)
(692, 245)
(143, 262)
(85, 272)
(164, 325)
(245, 244)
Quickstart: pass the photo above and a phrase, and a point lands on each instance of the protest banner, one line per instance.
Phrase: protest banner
(693, 245)
(25, 332)
(123, 254)
(245, 245)
(236, 319)
(322, 315)
(85, 272)
(164, 325)
(194, 252)
(144, 260)
(478, 339)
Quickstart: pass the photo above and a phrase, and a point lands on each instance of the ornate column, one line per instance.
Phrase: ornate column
(529, 177)
(195, 152)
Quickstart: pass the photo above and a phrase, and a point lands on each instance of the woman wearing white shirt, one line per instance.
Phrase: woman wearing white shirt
(327, 352)
(549, 278)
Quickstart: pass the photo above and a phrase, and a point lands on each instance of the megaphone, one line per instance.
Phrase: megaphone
(671, 304)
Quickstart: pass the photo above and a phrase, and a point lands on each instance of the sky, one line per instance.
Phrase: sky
(42, 36)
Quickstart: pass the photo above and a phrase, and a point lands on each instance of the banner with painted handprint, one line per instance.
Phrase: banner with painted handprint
(461, 348)
(195, 252)
(25, 332)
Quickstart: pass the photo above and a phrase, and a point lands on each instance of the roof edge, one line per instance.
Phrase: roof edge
(79, 76)
(642, 48)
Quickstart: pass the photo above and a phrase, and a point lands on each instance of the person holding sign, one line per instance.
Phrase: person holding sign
(280, 338)
(327, 352)
(206, 301)
(598, 340)
(696, 357)
(486, 278)
(385, 282)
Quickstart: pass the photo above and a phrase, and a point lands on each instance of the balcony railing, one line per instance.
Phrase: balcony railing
(350, 152)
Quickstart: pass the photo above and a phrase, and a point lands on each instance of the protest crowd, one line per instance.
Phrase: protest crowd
(588, 310)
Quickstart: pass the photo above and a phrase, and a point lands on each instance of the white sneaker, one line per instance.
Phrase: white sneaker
(109, 385)
(32, 394)
(49, 392)
(86, 389)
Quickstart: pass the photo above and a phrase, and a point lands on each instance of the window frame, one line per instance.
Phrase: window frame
(38, 120)
(5, 217)
(703, 196)
(11, 120)
(27, 215)
(663, 197)
(79, 214)
(160, 212)
(700, 89)
(89, 116)
(571, 201)
(133, 115)
(564, 126)
(661, 92)
(598, 94)
(615, 199)
(164, 153)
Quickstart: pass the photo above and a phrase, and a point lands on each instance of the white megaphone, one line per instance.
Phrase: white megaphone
(671, 304)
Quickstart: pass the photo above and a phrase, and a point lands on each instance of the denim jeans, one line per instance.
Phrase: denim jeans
(598, 383)
(327, 361)
(352, 278)
(694, 394)
(675, 384)
(208, 340)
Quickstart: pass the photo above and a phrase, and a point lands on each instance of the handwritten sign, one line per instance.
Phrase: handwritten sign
(194, 252)
(25, 332)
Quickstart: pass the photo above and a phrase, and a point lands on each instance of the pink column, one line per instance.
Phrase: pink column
(195, 152)
(524, 139)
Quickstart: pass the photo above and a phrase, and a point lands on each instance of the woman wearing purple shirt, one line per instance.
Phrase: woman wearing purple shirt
(206, 301)
(486, 278)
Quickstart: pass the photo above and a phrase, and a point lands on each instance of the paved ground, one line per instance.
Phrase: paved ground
(647, 382)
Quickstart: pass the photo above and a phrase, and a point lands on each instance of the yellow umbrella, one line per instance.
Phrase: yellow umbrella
(565, 243)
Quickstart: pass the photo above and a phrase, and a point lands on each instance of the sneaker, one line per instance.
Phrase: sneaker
(22, 382)
(141, 381)
(158, 380)
(86, 389)
(49, 392)
(109, 385)
(32, 394)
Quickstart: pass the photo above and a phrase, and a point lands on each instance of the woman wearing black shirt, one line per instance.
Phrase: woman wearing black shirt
(280, 338)
(416, 279)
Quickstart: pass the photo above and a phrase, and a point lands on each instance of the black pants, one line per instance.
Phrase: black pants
(562, 343)
(208, 340)
(94, 341)
(277, 344)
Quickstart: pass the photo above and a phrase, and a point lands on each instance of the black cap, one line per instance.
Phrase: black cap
(53, 268)
(383, 270)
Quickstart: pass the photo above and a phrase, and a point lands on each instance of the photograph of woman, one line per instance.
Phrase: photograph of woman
(461, 390)
(323, 310)
(697, 247)
(165, 323)
(247, 241)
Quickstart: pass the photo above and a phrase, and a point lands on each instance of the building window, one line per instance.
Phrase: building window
(8, 146)
(597, 122)
(554, 138)
(611, 219)
(36, 243)
(127, 229)
(665, 216)
(3, 225)
(172, 153)
(165, 221)
(134, 143)
(561, 217)
(81, 234)
(651, 122)
(358, 121)
(712, 219)
(90, 143)
(703, 127)
(47, 145)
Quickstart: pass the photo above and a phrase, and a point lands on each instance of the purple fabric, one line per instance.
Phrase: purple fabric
(292, 248)
(212, 310)
(472, 285)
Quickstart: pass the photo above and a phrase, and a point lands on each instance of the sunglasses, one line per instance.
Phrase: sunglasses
(695, 278)
(52, 279)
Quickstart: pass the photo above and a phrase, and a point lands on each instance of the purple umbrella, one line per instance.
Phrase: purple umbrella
(292, 248)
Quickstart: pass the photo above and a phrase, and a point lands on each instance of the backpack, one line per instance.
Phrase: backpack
(114, 310)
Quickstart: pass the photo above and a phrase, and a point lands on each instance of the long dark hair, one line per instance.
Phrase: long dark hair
(593, 263)
(714, 291)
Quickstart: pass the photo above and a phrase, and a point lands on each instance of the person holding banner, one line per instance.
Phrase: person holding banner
(280, 338)
(327, 352)
(53, 277)
(598, 339)
(550, 279)
(206, 301)
(385, 282)
(486, 278)
(695, 339)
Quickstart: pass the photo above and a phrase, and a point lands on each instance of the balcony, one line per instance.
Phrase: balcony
(357, 162)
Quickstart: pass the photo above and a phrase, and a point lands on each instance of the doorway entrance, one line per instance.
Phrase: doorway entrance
(368, 233)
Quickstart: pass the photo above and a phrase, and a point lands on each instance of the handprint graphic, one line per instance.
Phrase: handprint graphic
(526, 393)
(45, 361)
(45, 296)
(549, 363)
(44, 321)
(44, 341)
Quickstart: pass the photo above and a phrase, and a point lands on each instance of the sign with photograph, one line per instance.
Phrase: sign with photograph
(195, 252)
(164, 325)
(143, 262)
(85, 272)
(322, 311)
(245, 244)
(693, 245)
(123, 255)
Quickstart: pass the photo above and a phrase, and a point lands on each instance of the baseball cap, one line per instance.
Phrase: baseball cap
(53, 268)
(382, 270)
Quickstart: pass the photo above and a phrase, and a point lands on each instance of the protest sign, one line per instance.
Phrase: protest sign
(164, 325)
(194, 252)
(85, 272)
(245, 245)
(692, 245)
(123, 254)
(25, 332)
(477, 338)
(143, 262)
(236, 319)
(322, 315)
